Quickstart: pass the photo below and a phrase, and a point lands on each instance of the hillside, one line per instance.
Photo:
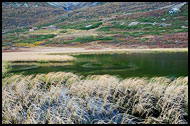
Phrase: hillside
(22, 14)
(111, 8)
(69, 6)
(145, 25)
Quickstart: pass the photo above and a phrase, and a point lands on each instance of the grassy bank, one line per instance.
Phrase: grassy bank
(5, 68)
(120, 51)
(67, 98)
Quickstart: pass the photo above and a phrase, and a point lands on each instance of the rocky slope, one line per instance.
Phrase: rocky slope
(22, 14)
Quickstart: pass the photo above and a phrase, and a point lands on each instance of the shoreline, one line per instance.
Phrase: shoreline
(65, 54)
(82, 49)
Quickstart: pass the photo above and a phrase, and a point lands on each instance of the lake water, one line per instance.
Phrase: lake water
(121, 65)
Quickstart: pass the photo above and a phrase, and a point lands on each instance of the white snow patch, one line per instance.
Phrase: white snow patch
(88, 26)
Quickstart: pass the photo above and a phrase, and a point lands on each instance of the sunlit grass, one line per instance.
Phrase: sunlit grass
(45, 31)
(67, 98)
(121, 51)
(35, 57)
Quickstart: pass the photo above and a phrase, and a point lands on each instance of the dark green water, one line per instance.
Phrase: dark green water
(122, 65)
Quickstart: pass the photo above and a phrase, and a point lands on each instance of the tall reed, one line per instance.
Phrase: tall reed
(64, 98)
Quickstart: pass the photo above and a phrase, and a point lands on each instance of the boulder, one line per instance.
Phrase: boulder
(133, 23)
(184, 26)
(164, 24)
(163, 19)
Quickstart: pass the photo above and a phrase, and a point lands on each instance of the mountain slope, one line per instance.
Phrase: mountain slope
(111, 8)
(155, 28)
(69, 6)
(21, 14)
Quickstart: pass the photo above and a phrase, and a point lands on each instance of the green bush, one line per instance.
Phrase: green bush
(67, 42)
(64, 31)
(105, 28)
(106, 38)
(84, 39)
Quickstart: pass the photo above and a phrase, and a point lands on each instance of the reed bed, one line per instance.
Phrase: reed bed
(35, 57)
(64, 98)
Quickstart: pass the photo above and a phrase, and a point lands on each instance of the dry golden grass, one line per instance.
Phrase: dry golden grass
(67, 98)
(34, 56)
(44, 32)
(78, 51)
(76, 33)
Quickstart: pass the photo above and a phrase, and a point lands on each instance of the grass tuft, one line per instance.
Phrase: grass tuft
(64, 98)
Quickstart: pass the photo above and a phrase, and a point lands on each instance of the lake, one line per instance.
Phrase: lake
(121, 65)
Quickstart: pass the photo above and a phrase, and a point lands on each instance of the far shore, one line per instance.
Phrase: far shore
(81, 49)
(63, 53)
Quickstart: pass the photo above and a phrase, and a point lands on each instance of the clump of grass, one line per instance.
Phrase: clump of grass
(6, 67)
(105, 28)
(36, 57)
(67, 98)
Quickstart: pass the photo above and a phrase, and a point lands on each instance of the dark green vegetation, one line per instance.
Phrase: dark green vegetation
(89, 39)
(64, 31)
(25, 40)
(123, 65)
(81, 25)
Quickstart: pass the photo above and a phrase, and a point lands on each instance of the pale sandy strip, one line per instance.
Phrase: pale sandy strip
(40, 53)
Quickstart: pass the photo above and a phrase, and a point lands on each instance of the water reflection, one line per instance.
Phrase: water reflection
(123, 65)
